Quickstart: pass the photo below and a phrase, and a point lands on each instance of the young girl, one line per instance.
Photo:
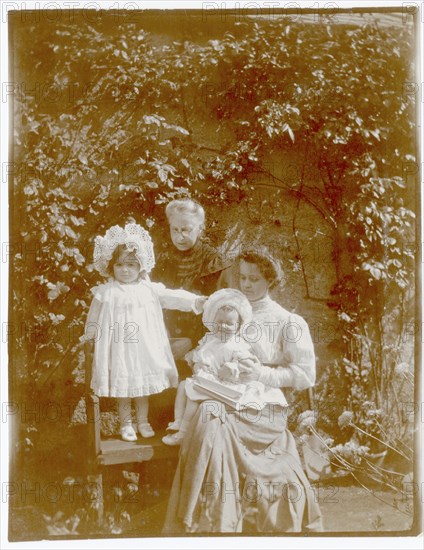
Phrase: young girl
(220, 357)
(132, 354)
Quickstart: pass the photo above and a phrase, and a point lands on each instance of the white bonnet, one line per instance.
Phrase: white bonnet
(133, 237)
(226, 297)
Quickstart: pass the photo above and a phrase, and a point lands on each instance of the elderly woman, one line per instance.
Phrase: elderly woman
(239, 466)
(189, 263)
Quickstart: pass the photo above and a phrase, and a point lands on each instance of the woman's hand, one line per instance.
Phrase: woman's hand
(250, 369)
(229, 371)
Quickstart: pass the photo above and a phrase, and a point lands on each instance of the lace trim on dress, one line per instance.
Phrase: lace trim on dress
(141, 391)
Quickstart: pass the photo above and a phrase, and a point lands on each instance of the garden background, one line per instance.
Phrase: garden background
(294, 131)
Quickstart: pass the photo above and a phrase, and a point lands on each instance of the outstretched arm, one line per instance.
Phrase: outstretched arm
(179, 299)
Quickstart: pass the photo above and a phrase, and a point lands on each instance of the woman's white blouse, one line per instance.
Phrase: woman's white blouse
(281, 339)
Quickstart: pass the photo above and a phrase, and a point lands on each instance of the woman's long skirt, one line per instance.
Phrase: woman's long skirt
(237, 467)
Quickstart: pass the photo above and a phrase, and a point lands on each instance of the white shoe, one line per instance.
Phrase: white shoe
(128, 433)
(174, 426)
(145, 430)
(173, 439)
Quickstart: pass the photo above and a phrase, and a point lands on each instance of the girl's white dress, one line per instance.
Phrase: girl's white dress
(132, 354)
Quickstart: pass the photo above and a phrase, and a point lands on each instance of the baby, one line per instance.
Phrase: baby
(217, 359)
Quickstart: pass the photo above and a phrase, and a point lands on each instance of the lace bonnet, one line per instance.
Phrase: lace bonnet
(226, 297)
(133, 237)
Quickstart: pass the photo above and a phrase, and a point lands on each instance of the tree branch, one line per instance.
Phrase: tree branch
(297, 192)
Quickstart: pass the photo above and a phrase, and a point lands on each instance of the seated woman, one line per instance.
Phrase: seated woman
(239, 464)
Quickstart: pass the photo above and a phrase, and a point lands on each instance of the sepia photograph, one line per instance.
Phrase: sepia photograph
(211, 272)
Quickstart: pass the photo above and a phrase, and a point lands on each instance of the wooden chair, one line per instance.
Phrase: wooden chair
(113, 451)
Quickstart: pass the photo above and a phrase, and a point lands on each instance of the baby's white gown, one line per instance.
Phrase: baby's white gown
(212, 352)
(132, 354)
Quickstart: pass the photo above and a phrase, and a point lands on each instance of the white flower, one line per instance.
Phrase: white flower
(345, 317)
(345, 419)
(56, 319)
(351, 451)
(374, 412)
(307, 419)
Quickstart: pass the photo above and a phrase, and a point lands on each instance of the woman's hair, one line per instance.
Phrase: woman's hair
(267, 265)
(185, 206)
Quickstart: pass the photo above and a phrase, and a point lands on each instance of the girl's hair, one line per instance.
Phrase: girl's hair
(267, 265)
(185, 206)
(115, 257)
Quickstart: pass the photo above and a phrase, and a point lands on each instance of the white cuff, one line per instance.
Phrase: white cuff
(277, 377)
(195, 309)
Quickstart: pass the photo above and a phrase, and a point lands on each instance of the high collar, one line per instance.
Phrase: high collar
(190, 252)
(262, 303)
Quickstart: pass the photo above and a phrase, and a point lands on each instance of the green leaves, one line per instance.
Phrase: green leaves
(277, 119)
(385, 225)
(376, 270)
(55, 290)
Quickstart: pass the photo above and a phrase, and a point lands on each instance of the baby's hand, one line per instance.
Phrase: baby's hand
(229, 371)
